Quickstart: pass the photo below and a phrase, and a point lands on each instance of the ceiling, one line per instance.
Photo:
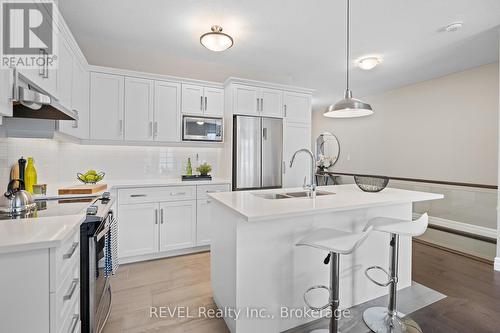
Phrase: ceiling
(289, 41)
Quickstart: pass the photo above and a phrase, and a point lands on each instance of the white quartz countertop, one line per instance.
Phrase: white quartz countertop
(346, 197)
(37, 233)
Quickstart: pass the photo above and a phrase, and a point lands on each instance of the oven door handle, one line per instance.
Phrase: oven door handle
(103, 232)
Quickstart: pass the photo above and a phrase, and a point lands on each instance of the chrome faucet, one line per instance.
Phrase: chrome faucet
(312, 186)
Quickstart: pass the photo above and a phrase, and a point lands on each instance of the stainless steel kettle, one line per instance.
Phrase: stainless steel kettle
(20, 200)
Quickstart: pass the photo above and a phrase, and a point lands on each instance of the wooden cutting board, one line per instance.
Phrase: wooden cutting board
(83, 189)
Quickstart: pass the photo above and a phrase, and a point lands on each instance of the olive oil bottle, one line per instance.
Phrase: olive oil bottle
(30, 175)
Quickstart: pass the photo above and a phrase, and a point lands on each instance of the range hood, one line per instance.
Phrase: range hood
(30, 103)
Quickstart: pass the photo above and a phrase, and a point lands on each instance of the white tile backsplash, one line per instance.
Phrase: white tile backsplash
(58, 162)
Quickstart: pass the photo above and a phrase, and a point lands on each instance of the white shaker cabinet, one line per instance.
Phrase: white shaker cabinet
(201, 100)
(296, 136)
(177, 225)
(203, 222)
(138, 229)
(167, 108)
(65, 73)
(297, 107)
(257, 101)
(106, 106)
(5, 92)
(138, 120)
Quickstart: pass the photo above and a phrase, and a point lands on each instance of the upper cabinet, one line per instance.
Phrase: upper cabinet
(297, 107)
(106, 106)
(167, 109)
(257, 101)
(138, 109)
(65, 73)
(5, 92)
(202, 100)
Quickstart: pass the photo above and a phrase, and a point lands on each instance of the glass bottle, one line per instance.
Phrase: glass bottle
(189, 168)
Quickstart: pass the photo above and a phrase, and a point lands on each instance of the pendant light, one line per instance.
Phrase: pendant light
(348, 107)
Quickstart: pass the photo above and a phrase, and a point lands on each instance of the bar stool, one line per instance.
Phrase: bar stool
(380, 319)
(335, 242)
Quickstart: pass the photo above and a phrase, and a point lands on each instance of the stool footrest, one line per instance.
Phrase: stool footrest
(382, 284)
(322, 307)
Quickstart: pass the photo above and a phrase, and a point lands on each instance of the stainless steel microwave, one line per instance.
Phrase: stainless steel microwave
(206, 129)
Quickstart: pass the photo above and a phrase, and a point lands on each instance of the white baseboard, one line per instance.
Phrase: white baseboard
(459, 226)
(497, 264)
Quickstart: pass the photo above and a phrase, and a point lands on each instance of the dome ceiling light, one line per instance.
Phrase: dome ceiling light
(348, 107)
(216, 40)
(369, 62)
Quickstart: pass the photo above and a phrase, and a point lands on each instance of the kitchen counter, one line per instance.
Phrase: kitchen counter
(37, 233)
(346, 197)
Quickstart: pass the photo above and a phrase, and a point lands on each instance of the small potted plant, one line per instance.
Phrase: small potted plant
(204, 169)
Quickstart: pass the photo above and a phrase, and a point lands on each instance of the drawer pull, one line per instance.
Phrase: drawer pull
(177, 193)
(71, 290)
(74, 323)
(71, 251)
(138, 195)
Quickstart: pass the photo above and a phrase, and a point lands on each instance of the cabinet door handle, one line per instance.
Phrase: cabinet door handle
(138, 195)
(177, 193)
(206, 103)
(156, 216)
(284, 110)
(258, 109)
(72, 251)
(155, 129)
(120, 125)
(41, 69)
(46, 72)
(71, 291)
(150, 129)
(161, 215)
(74, 322)
(262, 104)
(201, 103)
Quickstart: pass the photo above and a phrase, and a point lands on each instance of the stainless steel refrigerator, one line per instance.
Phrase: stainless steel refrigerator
(257, 152)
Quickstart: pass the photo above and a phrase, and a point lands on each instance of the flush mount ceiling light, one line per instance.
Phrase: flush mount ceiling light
(455, 26)
(216, 40)
(348, 107)
(368, 62)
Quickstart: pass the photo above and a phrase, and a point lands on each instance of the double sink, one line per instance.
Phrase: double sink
(289, 195)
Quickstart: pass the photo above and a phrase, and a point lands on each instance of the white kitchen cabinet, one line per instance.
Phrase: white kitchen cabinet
(106, 106)
(79, 103)
(167, 108)
(257, 101)
(296, 136)
(297, 107)
(203, 222)
(192, 99)
(6, 92)
(271, 103)
(65, 73)
(138, 229)
(139, 104)
(246, 100)
(177, 225)
(200, 100)
(213, 102)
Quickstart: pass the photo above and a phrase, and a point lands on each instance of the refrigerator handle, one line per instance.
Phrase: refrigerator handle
(264, 133)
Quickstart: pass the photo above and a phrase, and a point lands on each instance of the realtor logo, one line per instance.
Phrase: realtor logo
(27, 34)
(27, 28)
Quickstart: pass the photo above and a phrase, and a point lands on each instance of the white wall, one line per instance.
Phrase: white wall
(442, 129)
(58, 162)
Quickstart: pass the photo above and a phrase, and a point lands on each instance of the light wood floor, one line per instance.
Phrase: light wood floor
(472, 287)
(181, 281)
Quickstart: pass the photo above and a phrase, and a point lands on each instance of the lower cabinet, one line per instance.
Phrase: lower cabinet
(203, 222)
(138, 229)
(177, 225)
(155, 221)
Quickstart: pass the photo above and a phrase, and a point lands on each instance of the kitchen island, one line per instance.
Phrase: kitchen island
(259, 275)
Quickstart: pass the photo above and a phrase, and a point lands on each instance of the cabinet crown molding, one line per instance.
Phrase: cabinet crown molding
(263, 84)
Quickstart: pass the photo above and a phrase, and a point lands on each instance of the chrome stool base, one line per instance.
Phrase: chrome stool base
(378, 320)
